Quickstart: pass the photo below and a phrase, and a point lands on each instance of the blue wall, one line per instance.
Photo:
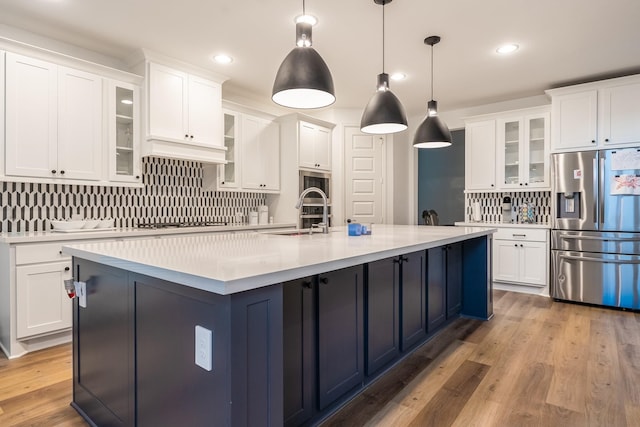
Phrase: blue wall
(441, 180)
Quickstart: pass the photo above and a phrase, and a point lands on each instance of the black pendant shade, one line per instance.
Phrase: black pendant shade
(432, 132)
(303, 79)
(384, 113)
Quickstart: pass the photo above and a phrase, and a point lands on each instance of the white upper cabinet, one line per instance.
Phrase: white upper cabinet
(184, 107)
(229, 173)
(480, 155)
(123, 113)
(54, 120)
(619, 119)
(523, 151)
(31, 117)
(596, 115)
(314, 146)
(575, 120)
(260, 154)
(79, 124)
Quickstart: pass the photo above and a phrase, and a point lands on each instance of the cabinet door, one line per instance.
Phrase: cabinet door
(314, 146)
(413, 307)
(533, 263)
(299, 355)
(124, 132)
(260, 154)
(168, 103)
(511, 151)
(536, 151)
(340, 334)
(436, 288)
(619, 112)
(480, 155)
(42, 303)
(31, 117)
(382, 329)
(574, 121)
(229, 173)
(205, 98)
(79, 124)
(506, 260)
(270, 154)
(454, 279)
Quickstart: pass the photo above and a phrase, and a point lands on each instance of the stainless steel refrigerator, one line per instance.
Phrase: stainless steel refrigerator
(595, 237)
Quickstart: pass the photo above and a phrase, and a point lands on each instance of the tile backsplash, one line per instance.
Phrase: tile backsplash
(491, 205)
(172, 192)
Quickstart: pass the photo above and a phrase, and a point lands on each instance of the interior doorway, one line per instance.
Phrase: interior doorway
(364, 176)
(441, 181)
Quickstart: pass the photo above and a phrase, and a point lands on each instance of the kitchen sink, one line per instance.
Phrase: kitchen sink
(302, 232)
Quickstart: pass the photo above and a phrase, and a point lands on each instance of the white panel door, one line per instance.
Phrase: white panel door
(364, 176)
(205, 114)
(42, 303)
(574, 119)
(480, 155)
(31, 117)
(619, 115)
(168, 103)
(533, 263)
(79, 124)
(506, 260)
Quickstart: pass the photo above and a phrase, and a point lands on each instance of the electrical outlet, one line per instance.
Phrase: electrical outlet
(204, 348)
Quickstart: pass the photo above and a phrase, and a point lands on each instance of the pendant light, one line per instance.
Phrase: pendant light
(432, 132)
(384, 112)
(303, 79)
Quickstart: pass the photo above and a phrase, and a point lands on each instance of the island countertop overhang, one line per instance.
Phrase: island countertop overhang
(228, 263)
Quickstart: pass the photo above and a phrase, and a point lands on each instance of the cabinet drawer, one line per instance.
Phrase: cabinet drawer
(42, 252)
(529, 234)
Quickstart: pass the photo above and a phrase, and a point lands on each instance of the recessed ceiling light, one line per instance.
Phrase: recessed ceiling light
(507, 48)
(398, 76)
(127, 101)
(309, 19)
(223, 59)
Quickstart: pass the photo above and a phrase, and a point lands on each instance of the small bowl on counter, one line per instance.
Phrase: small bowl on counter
(67, 225)
(91, 223)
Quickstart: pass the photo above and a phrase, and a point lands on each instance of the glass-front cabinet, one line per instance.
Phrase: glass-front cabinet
(124, 132)
(229, 173)
(523, 143)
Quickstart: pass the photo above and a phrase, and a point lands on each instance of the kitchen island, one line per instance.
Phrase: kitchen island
(252, 329)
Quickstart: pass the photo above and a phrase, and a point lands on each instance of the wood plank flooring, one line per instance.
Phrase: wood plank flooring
(537, 363)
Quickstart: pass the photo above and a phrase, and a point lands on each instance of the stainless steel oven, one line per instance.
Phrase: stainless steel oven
(315, 179)
(310, 215)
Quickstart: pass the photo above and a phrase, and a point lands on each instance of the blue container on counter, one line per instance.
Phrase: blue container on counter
(355, 229)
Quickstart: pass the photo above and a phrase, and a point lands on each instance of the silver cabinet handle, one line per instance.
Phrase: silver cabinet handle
(519, 235)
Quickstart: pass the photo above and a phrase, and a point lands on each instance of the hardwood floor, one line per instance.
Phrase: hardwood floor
(537, 363)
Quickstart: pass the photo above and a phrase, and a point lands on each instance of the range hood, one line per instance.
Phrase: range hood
(183, 150)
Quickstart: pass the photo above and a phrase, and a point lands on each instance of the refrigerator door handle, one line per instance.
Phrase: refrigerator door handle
(601, 218)
(605, 239)
(600, 260)
(596, 196)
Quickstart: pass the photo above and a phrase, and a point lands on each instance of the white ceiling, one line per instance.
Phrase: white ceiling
(561, 41)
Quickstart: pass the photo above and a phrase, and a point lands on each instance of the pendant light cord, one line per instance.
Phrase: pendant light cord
(431, 71)
(383, 37)
(304, 13)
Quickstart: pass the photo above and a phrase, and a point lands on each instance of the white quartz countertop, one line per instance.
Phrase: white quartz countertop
(54, 236)
(226, 263)
(503, 224)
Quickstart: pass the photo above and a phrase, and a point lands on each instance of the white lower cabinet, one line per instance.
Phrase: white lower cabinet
(42, 303)
(520, 256)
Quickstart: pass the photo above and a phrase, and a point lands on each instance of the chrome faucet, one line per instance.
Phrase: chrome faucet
(325, 216)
